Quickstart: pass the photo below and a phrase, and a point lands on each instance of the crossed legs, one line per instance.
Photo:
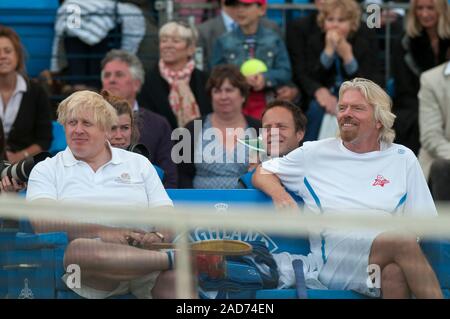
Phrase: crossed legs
(404, 268)
(104, 265)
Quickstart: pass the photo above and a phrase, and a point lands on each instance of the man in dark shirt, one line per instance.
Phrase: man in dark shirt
(123, 75)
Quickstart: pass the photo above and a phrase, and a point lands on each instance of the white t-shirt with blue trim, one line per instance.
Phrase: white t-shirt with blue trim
(332, 179)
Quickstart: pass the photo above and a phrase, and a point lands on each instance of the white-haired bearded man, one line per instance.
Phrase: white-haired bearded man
(361, 170)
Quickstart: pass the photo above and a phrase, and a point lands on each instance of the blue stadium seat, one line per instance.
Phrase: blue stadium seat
(275, 15)
(31, 266)
(160, 172)
(297, 14)
(59, 138)
(34, 22)
(390, 87)
(28, 265)
(438, 254)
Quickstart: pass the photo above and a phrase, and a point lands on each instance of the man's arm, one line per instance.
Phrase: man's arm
(270, 184)
(76, 230)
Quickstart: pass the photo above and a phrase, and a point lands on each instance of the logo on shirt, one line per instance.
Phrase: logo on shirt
(124, 178)
(380, 180)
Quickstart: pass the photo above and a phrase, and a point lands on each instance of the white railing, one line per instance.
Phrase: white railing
(190, 217)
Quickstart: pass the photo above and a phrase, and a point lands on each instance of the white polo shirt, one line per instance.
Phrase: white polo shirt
(329, 177)
(128, 179)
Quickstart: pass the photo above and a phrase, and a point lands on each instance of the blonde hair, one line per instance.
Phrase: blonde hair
(414, 28)
(350, 9)
(380, 101)
(184, 30)
(104, 115)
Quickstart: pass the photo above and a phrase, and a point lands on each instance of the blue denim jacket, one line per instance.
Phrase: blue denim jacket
(230, 48)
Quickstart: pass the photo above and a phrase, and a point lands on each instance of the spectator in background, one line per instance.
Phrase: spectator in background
(284, 126)
(148, 48)
(24, 105)
(298, 35)
(103, 25)
(254, 41)
(123, 75)
(174, 88)
(434, 121)
(224, 22)
(425, 44)
(124, 133)
(217, 162)
(339, 50)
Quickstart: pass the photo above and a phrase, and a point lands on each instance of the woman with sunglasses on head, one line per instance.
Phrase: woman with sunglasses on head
(175, 88)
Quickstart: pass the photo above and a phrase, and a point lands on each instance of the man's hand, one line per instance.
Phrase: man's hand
(121, 235)
(11, 185)
(150, 238)
(326, 100)
(283, 200)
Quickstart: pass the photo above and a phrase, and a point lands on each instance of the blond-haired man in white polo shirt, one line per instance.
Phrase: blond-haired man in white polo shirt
(90, 170)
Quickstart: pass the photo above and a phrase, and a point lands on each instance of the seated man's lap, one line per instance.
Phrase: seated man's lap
(346, 266)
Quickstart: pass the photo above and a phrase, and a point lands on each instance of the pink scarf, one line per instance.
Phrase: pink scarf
(181, 99)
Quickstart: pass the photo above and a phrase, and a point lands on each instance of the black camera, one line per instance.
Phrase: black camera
(139, 149)
(22, 169)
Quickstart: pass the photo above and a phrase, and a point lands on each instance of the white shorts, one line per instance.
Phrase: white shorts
(140, 287)
(347, 264)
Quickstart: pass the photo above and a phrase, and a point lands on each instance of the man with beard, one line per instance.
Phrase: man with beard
(361, 171)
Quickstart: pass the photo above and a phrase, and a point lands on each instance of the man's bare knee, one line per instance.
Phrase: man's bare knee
(74, 250)
(405, 246)
(388, 246)
(392, 273)
(87, 253)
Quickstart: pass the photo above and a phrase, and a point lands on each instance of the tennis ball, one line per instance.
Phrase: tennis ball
(252, 67)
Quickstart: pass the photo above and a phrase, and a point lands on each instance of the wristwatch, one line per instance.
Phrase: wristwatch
(157, 233)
